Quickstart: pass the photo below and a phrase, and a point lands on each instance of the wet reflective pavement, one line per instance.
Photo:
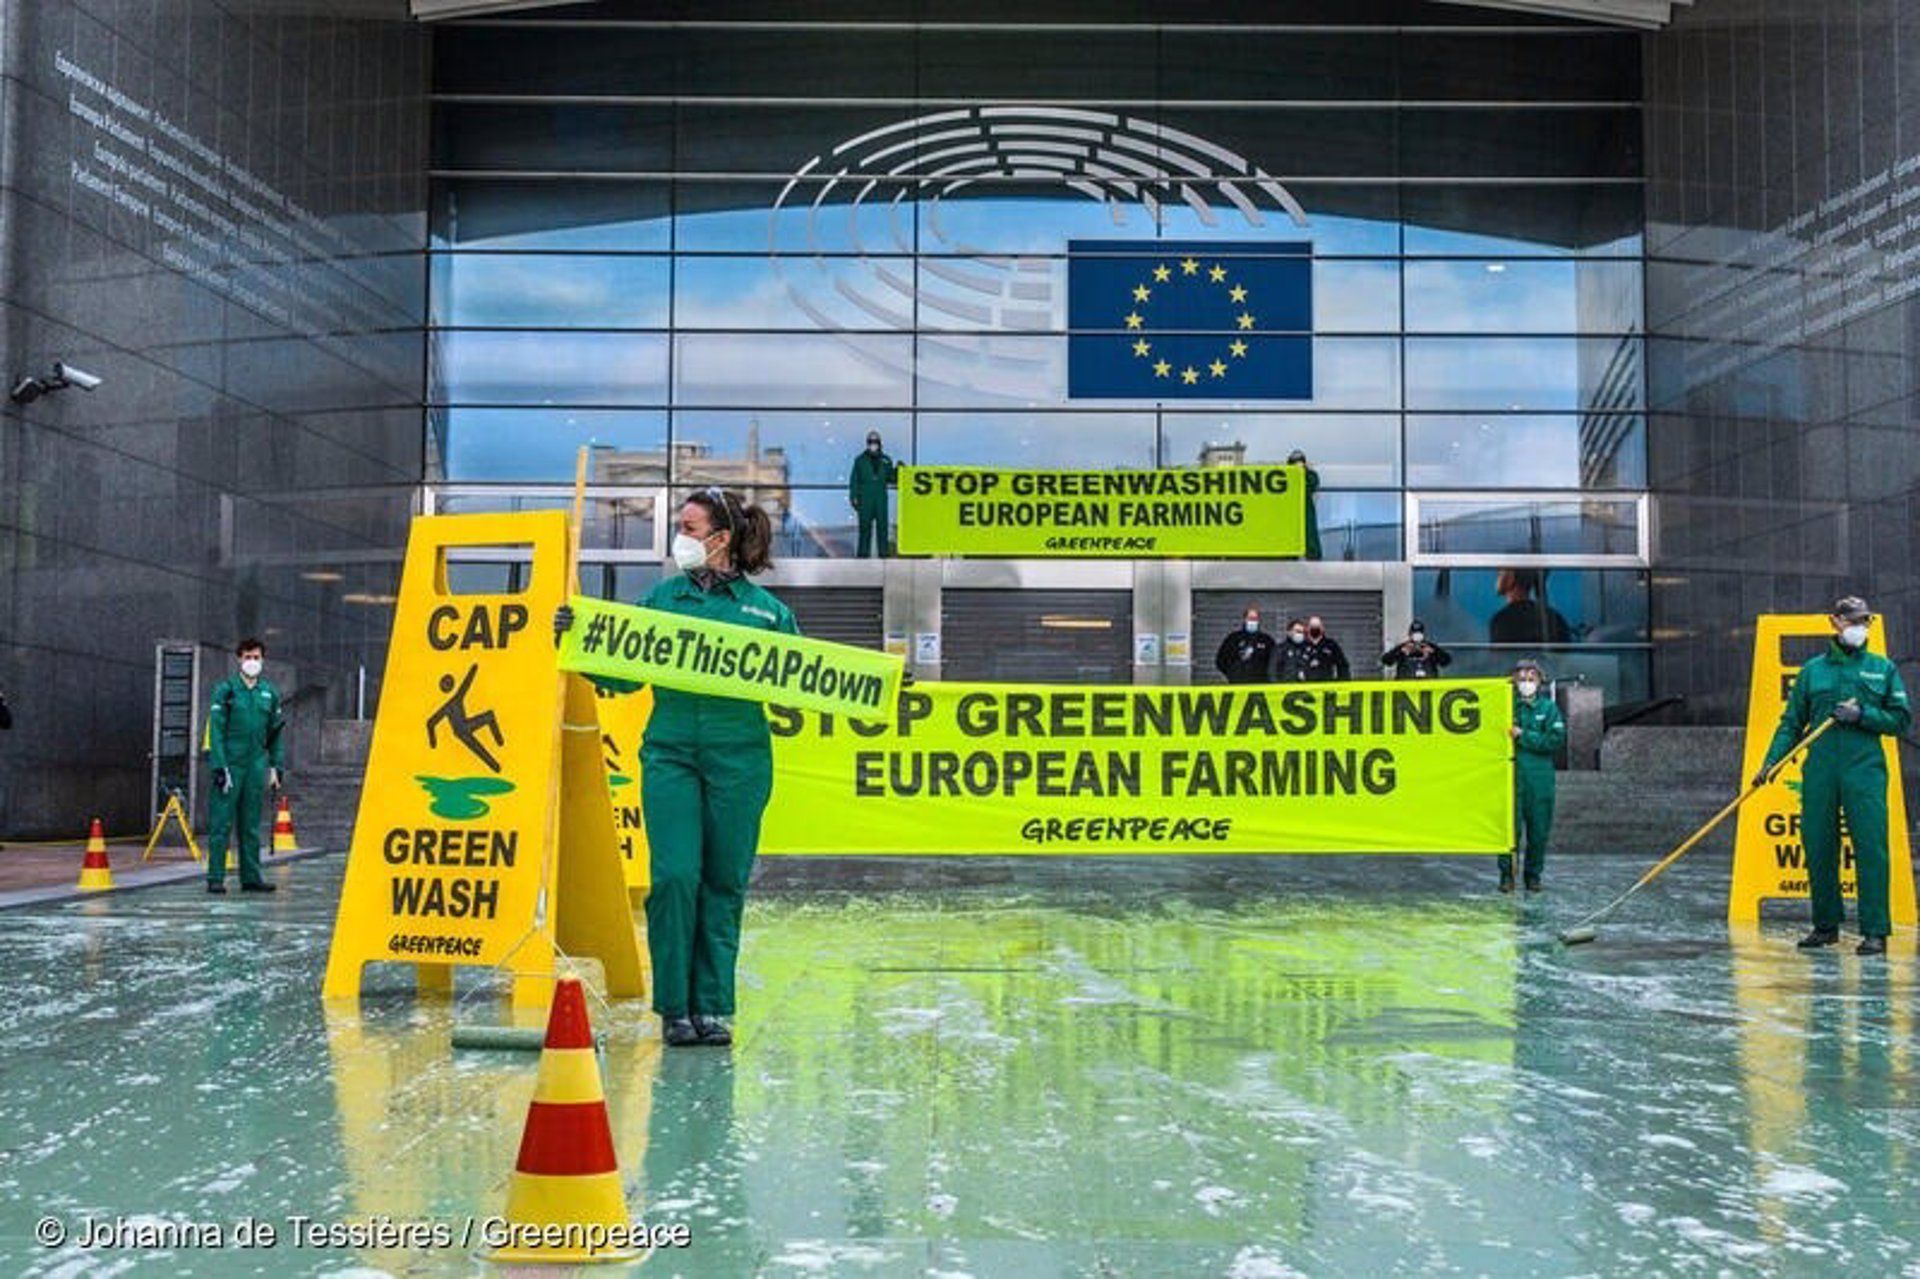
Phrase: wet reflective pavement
(1311, 1066)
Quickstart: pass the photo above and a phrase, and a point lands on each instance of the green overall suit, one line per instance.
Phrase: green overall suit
(1313, 516)
(867, 490)
(1542, 733)
(706, 775)
(245, 729)
(1845, 771)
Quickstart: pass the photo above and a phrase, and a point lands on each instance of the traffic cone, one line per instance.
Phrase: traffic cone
(283, 840)
(95, 874)
(567, 1174)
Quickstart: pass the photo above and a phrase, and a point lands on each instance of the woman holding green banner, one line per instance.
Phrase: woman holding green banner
(706, 774)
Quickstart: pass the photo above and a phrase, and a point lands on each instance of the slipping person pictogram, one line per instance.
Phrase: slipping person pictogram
(463, 723)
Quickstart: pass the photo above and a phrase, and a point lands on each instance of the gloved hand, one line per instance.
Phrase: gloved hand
(222, 780)
(906, 679)
(1847, 712)
(562, 621)
(276, 779)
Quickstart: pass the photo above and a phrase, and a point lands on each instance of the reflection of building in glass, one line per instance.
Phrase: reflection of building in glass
(760, 475)
(1234, 454)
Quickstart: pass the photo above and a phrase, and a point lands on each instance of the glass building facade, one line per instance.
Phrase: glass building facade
(725, 251)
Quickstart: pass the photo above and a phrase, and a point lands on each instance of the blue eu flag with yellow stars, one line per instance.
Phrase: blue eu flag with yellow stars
(1189, 320)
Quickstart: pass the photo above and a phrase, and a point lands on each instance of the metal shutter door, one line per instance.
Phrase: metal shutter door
(1352, 617)
(843, 614)
(1037, 637)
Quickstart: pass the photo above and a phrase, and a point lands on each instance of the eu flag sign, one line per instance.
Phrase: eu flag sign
(1189, 320)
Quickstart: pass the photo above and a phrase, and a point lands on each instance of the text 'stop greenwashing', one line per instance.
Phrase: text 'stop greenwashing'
(671, 650)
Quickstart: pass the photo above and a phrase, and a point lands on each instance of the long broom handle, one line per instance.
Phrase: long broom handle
(1733, 805)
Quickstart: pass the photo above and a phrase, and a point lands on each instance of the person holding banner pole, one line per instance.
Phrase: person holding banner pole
(1845, 772)
(1538, 733)
(1299, 458)
(706, 773)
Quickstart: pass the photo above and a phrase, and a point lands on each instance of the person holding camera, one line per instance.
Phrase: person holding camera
(1416, 657)
(246, 728)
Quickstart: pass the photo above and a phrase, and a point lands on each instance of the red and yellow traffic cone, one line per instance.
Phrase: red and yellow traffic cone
(95, 874)
(283, 840)
(566, 1182)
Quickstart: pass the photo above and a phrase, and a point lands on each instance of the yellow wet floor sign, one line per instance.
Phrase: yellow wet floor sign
(623, 719)
(474, 816)
(1769, 858)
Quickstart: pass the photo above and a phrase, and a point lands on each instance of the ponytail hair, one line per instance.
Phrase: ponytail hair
(751, 529)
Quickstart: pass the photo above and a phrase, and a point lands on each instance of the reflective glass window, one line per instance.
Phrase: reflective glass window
(560, 137)
(1356, 296)
(1564, 142)
(540, 445)
(473, 366)
(1547, 220)
(558, 214)
(1359, 526)
(770, 447)
(1036, 439)
(818, 523)
(1526, 450)
(782, 216)
(1532, 606)
(549, 290)
(1346, 450)
(1469, 296)
(1621, 674)
(1519, 526)
(1519, 374)
(793, 293)
(782, 369)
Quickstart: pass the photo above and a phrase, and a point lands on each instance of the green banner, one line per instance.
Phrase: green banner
(1211, 512)
(1421, 766)
(648, 646)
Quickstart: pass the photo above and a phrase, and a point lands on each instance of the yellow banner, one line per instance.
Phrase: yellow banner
(648, 646)
(1212, 512)
(975, 768)
(623, 719)
(474, 802)
(1769, 859)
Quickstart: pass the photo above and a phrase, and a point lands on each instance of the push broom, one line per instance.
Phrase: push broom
(1586, 930)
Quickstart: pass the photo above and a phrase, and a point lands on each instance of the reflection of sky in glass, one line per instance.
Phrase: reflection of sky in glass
(539, 444)
(477, 367)
(1347, 450)
(550, 291)
(820, 447)
(740, 369)
(1509, 451)
(1036, 439)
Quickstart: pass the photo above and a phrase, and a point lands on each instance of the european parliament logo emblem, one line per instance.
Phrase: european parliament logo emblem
(1189, 320)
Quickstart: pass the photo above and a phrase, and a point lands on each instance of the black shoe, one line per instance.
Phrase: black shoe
(678, 1032)
(1533, 884)
(713, 1030)
(216, 886)
(1506, 881)
(1819, 937)
(1871, 946)
(261, 887)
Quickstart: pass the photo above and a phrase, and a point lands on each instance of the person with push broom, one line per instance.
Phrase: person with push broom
(1846, 771)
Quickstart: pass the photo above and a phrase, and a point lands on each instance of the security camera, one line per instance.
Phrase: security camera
(67, 375)
(27, 390)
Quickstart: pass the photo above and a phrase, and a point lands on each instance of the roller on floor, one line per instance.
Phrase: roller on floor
(1586, 930)
(504, 1038)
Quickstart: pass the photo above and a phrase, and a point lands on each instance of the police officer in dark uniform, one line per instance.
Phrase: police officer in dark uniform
(1246, 655)
(1416, 657)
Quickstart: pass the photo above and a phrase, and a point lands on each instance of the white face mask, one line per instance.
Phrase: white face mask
(251, 667)
(1297, 637)
(689, 552)
(1252, 624)
(1418, 637)
(1527, 687)
(1854, 636)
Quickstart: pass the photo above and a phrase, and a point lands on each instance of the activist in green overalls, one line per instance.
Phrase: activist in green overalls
(245, 728)
(706, 773)
(1845, 771)
(1538, 734)
(867, 484)
(1299, 458)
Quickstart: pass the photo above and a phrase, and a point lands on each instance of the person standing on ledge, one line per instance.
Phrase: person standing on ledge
(706, 773)
(867, 485)
(1246, 654)
(1538, 733)
(1844, 772)
(245, 729)
(1299, 458)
